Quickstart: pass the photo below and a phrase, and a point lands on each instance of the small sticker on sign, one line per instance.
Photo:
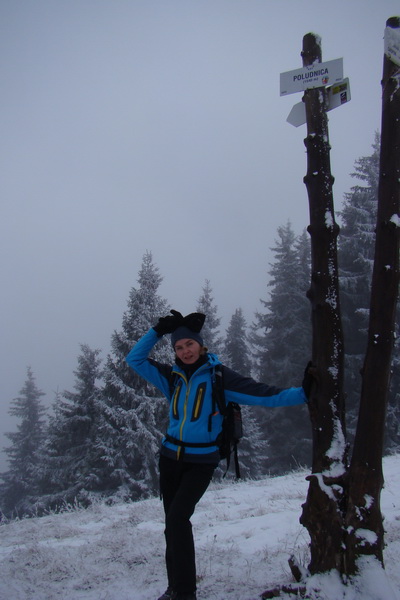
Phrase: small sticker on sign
(337, 95)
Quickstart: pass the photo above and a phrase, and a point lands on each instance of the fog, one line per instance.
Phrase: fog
(156, 125)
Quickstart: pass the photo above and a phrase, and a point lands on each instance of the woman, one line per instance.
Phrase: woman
(186, 470)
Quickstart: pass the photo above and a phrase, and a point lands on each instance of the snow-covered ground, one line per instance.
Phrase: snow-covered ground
(245, 533)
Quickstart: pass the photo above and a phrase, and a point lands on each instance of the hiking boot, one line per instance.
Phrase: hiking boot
(178, 596)
(168, 594)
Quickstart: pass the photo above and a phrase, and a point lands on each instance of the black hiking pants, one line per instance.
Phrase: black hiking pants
(182, 484)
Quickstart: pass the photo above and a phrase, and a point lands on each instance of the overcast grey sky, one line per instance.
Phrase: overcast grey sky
(156, 125)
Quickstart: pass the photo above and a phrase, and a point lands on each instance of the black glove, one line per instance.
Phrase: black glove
(169, 323)
(309, 379)
(194, 321)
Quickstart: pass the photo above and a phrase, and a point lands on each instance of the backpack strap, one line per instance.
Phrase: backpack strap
(218, 392)
(173, 380)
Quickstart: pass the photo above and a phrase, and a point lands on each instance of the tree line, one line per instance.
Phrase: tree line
(101, 439)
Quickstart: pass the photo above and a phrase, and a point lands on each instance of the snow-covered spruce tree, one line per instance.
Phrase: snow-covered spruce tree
(20, 481)
(134, 412)
(283, 339)
(281, 347)
(252, 449)
(71, 467)
(356, 254)
(236, 350)
(210, 331)
(356, 247)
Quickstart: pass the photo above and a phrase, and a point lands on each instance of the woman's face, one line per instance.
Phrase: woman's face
(188, 351)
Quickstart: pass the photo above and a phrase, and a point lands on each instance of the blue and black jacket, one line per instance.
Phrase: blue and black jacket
(192, 415)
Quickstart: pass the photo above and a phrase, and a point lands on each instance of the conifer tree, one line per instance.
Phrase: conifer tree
(210, 331)
(20, 481)
(356, 254)
(281, 335)
(134, 411)
(72, 466)
(145, 306)
(281, 339)
(252, 449)
(236, 350)
(356, 247)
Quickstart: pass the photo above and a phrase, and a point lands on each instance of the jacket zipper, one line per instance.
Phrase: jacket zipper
(197, 406)
(188, 388)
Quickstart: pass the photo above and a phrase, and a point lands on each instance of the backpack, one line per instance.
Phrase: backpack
(232, 426)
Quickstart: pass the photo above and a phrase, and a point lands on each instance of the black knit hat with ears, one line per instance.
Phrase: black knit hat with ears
(189, 329)
(183, 333)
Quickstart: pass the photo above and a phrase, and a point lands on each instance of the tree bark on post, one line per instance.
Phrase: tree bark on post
(321, 512)
(366, 476)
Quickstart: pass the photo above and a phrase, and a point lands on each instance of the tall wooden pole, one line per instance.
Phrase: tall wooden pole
(366, 476)
(320, 512)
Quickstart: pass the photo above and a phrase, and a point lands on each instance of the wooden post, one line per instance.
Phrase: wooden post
(321, 514)
(366, 476)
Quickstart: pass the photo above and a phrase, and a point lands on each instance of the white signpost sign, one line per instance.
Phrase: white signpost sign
(392, 44)
(338, 94)
(316, 75)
